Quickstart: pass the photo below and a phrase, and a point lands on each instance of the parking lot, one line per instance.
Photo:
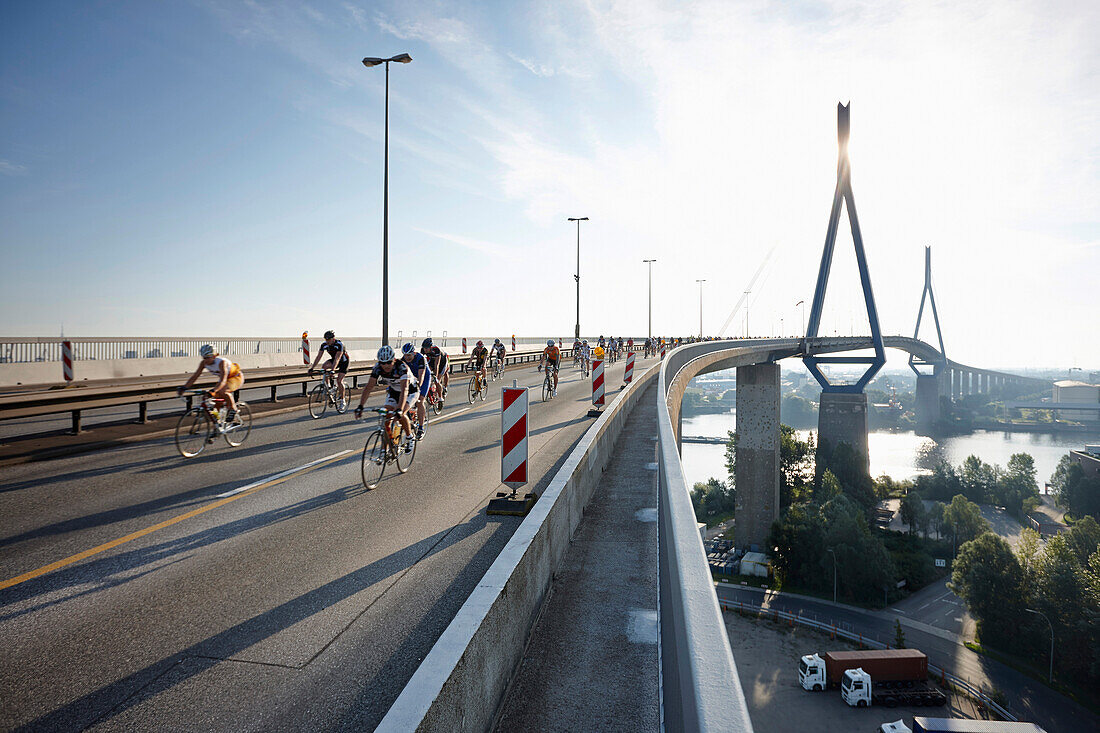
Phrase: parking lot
(767, 657)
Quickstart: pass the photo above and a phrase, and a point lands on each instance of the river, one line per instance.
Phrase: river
(898, 454)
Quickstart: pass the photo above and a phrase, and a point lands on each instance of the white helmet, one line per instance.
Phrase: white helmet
(549, 342)
(385, 353)
(207, 350)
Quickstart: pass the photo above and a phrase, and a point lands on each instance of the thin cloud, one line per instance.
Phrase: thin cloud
(477, 245)
(9, 168)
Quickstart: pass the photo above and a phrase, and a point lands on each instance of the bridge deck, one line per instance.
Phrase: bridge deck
(592, 661)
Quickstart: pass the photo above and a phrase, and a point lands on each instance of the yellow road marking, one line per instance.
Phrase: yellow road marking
(160, 525)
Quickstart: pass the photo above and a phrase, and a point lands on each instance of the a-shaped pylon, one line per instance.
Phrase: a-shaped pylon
(927, 294)
(843, 194)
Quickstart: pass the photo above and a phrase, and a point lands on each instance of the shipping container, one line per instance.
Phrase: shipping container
(958, 725)
(884, 665)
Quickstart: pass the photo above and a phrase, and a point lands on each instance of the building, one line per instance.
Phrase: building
(1071, 391)
(1088, 459)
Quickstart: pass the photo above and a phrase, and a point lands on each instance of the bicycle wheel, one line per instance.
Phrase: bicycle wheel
(406, 459)
(437, 402)
(237, 433)
(375, 458)
(472, 389)
(547, 392)
(483, 390)
(192, 432)
(318, 401)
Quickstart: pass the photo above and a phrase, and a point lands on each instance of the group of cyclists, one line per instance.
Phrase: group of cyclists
(408, 379)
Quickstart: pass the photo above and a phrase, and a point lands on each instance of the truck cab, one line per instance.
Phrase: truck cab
(855, 687)
(811, 672)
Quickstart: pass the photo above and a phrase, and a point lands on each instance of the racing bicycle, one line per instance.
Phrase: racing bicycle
(324, 394)
(478, 387)
(385, 446)
(199, 426)
(548, 391)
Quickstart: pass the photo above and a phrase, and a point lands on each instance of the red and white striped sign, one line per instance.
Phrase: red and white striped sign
(67, 360)
(629, 373)
(597, 382)
(513, 342)
(559, 342)
(662, 352)
(463, 346)
(305, 347)
(514, 433)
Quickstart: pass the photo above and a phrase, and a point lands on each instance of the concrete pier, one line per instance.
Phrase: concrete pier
(928, 402)
(757, 474)
(842, 418)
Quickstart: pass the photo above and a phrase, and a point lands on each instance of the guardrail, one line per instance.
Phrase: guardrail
(976, 693)
(76, 399)
(700, 688)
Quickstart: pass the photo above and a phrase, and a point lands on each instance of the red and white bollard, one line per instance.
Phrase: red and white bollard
(662, 352)
(67, 360)
(513, 342)
(305, 347)
(597, 382)
(514, 434)
(628, 374)
(463, 346)
(559, 342)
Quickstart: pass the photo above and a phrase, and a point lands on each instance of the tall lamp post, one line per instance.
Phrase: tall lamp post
(1050, 675)
(577, 277)
(650, 263)
(700, 307)
(803, 304)
(401, 58)
(831, 552)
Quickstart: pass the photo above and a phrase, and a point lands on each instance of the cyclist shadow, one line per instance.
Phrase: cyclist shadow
(178, 667)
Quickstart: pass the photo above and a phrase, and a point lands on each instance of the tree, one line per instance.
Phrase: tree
(796, 466)
(1075, 491)
(978, 479)
(1016, 489)
(712, 500)
(963, 519)
(899, 634)
(935, 517)
(912, 510)
(987, 575)
(1027, 552)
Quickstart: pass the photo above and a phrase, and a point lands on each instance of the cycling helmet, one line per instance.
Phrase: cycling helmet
(207, 350)
(407, 349)
(549, 342)
(385, 353)
(496, 341)
(330, 335)
(480, 342)
(426, 344)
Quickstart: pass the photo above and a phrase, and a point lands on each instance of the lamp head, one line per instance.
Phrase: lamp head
(372, 61)
(402, 58)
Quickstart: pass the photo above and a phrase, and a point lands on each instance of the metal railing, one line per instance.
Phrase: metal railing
(22, 350)
(946, 678)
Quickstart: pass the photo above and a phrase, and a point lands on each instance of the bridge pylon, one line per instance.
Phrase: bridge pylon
(842, 415)
(929, 385)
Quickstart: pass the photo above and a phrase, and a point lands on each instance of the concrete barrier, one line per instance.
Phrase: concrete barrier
(462, 680)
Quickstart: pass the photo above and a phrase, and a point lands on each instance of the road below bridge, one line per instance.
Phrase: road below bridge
(304, 602)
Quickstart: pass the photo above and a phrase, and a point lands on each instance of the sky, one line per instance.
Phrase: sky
(215, 168)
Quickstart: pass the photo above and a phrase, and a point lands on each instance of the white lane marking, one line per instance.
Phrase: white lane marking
(646, 515)
(643, 626)
(304, 466)
(449, 414)
(651, 466)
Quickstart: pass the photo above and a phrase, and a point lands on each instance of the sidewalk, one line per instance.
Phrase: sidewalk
(591, 662)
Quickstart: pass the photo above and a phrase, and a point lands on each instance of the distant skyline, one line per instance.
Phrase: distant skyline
(215, 168)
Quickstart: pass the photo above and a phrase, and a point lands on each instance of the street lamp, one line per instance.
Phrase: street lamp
(1050, 675)
(401, 58)
(803, 304)
(650, 263)
(700, 307)
(831, 552)
(577, 333)
(747, 294)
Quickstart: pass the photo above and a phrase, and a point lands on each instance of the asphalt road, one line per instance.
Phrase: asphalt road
(304, 602)
(1028, 699)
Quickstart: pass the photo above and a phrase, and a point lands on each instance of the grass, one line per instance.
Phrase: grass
(1090, 700)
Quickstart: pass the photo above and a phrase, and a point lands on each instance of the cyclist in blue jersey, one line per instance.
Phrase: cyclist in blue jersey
(418, 366)
(400, 385)
(338, 362)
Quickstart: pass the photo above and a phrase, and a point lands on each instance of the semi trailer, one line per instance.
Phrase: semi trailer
(821, 671)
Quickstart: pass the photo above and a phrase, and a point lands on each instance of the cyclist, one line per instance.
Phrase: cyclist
(400, 384)
(478, 356)
(230, 378)
(576, 352)
(499, 352)
(338, 362)
(418, 365)
(601, 342)
(586, 355)
(552, 356)
(437, 362)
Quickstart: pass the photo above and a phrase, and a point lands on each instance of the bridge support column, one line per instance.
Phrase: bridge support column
(757, 473)
(928, 402)
(842, 418)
